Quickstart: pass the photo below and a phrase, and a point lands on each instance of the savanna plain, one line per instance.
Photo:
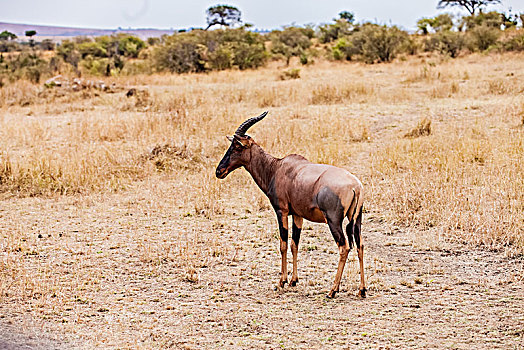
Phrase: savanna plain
(115, 233)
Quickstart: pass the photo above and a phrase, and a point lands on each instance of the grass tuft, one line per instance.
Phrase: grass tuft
(423, 128)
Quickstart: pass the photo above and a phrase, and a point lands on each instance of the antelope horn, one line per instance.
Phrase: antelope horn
(241, 131)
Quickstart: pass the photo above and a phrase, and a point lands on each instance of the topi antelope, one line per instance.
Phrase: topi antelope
(297, 187)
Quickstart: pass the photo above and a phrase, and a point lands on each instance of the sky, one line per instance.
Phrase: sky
(178, 14)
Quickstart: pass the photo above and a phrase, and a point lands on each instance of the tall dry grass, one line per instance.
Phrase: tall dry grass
(464, 179)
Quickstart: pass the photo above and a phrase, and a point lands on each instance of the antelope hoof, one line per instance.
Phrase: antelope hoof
(331, 294)
(362, 293)
(282, 283)
(293, 282)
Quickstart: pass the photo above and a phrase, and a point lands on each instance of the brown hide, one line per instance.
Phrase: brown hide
(293, 184)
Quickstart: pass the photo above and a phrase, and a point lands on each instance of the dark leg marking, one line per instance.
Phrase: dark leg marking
(349, 233)
(297, 228)
(283, 227)
(360, 247)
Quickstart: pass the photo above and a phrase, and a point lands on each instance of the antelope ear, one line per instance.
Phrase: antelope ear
(244, 142)
(229, 138)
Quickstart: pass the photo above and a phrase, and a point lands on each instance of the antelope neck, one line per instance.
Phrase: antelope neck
(262, 167)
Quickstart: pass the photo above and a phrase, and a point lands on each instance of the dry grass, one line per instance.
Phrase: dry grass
(465, 182)
(133, 164)
(423, 128)
(102, 146)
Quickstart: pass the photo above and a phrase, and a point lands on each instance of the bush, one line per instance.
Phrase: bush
(25, 65)
(248, 56)
(95, 49)
(110, 47)
(129, 46)
(9, 46)
(443, 22)
(135, 67)
(292, 41)
(332, 32)
(47, 44)
(378, 43)
(247, 48)
(199, 50)
(514, 43)
(290, 74)
(96, 66)
(343, 49)
(182, 53)
(482, 37)
(446, 42)
(490, 19)
(68, 51)
(222, 57)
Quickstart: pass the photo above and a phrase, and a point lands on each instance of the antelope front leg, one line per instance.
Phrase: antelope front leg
(283, 227)
(295, 238)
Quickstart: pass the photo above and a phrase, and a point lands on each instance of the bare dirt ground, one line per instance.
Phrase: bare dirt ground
(423, 292)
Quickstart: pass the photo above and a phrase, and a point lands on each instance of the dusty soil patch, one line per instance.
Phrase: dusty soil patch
(116, 279)
(12, 338)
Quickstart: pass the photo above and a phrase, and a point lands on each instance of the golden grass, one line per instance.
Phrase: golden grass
(423, 128)
(465, 182)
(464, 178)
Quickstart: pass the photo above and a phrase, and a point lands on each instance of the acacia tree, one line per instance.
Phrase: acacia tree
(224, 15)
(348, 16)
(5, 35)
(470, 5)
(30, 34)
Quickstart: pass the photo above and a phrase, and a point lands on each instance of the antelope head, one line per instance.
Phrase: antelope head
(238, 154)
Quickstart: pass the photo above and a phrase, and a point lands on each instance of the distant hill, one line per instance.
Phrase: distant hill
(60, 33)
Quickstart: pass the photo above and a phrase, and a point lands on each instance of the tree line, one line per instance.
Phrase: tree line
(234, 45)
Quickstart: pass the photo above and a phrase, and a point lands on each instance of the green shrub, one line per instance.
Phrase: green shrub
(412, 45)
(135, 67)
(248, 56)
(482, 37)
(96, 66)
(222, 57)
(514, 43)
(443, 22)
(332, 32)
(378, 43)
(446, 42)
(182, 53)
(26, 65)
(491, 19)
(247, 48)
(343, 49)
(304, 58)
(289, 74)
(129, 46)
(291, 41)
(68, 51)
(94, 49)
(199, 50)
